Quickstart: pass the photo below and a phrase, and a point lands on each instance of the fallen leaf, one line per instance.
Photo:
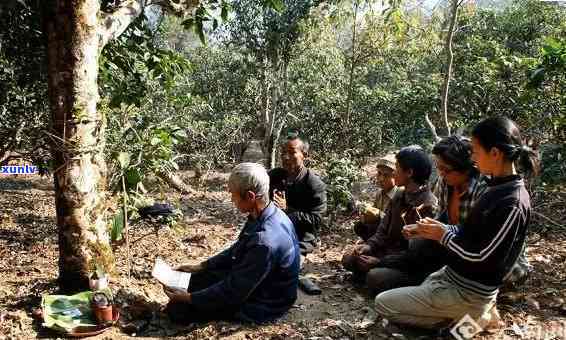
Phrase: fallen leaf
(517, 330)
(368, 320)
(533, 303)
(513, 297)
(359, 298)
(337, 286)
(542, 258)
(556, 302)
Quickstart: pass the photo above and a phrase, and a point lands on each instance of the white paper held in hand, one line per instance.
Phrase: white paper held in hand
(169, 277)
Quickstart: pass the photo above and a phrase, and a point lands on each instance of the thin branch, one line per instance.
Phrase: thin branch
(432, 128)
(548, 219)
(128, 255)
(449, 63)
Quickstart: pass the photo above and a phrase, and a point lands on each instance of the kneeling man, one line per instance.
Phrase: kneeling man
(256, 278)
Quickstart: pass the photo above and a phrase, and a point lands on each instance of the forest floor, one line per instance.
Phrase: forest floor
(29, 255)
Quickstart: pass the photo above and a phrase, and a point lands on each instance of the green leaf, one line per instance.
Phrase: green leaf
(180, 134)
(117, 226)
(224, 11)
(155, 140)
(537, 77)
(200, 32)
(188, 24)
(133, 177)
(123, 159)
(277, 5)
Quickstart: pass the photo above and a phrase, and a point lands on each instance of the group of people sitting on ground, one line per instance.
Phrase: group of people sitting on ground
(430, 256)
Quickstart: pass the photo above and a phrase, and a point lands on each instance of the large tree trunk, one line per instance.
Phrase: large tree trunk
(78, 139)
(76, 33)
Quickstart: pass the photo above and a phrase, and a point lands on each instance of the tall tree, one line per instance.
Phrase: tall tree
(449, 51)
(268, 37)
(23, 86)
(77, 31)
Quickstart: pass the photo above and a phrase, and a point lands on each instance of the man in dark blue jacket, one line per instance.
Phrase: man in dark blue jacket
(256, 278)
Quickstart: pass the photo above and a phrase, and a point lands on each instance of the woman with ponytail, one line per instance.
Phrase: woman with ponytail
(481, 251)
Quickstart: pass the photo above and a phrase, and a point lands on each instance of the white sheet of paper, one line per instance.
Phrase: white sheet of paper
(169, 277)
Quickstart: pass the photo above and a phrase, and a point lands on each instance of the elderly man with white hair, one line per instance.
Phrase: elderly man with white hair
(256, 278)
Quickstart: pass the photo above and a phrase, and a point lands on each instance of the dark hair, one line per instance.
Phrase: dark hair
(414, 158)
(304, 144)
(502, 133)
(457, 152)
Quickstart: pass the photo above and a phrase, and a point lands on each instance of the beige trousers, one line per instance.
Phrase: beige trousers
(436, 303)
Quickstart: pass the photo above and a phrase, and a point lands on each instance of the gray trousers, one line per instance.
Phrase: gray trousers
(436, 303)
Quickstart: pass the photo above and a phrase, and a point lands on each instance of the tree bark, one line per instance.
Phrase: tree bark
(115, 23)
(269, 138)
(268, 132)
(78, 140)
(177, 183)
(76, 32)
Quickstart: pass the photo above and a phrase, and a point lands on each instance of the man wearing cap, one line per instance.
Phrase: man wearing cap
(371, 215)
(412, 202)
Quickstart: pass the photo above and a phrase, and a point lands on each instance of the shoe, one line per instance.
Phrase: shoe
(305, 248)
(309, 287)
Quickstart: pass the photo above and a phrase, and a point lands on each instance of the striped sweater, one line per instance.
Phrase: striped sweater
(483, 250)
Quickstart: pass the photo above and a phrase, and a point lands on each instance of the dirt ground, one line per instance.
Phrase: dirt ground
(28, 269)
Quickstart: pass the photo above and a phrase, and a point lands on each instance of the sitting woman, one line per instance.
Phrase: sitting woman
(414, 201)
(481, 251)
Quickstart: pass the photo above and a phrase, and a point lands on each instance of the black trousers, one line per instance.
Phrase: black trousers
(185, 313)
(365, 231)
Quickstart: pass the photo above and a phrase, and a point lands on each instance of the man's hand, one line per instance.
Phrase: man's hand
(367, 262)
(425, 228)
(177, 295)
(408, 231)
(190, 267)
(362, 249)
(370, 215)
(280, 200)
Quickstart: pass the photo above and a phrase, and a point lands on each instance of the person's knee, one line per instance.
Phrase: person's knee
(384, 304)
(358, 229)
(349, 262)
(374, 278)
(177, 312)
(382, 279)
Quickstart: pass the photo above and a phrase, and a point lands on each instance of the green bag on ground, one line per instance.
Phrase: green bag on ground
(63, 313)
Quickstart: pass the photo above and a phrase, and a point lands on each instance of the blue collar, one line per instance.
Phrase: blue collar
(254, 225)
